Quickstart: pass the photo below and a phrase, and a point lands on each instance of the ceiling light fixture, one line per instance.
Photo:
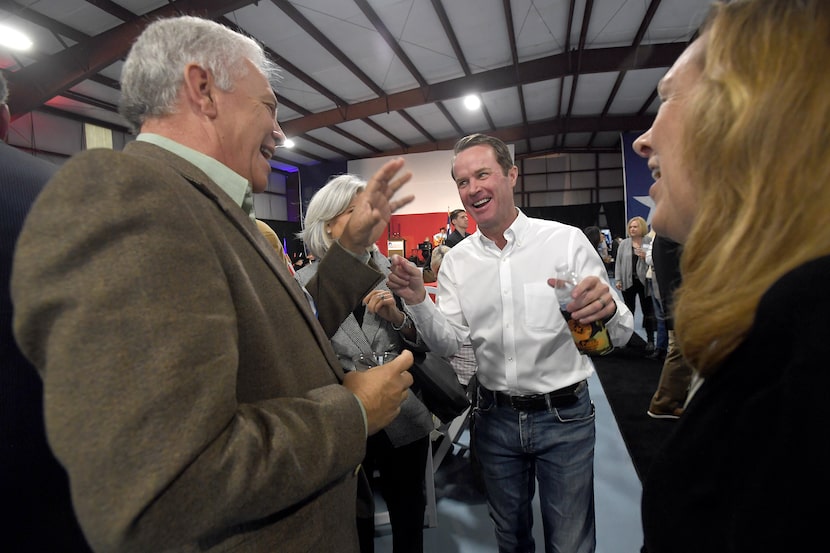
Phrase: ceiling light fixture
(12, 38)
(472, 102)
(288, 143)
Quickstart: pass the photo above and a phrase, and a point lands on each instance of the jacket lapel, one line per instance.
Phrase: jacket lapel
(248, 229)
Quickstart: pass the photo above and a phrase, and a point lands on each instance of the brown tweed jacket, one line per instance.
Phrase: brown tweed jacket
(190, 392)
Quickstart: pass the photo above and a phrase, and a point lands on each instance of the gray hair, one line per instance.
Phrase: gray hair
(437, 257)
(154, 71)
(4, 89)
(326, 204)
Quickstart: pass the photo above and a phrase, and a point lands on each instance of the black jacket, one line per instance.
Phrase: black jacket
(752, 444)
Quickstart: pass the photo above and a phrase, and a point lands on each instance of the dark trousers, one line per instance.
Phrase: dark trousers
(630, 298)
(401, 481)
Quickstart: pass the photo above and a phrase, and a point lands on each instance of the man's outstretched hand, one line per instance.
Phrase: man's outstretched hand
(406, 280)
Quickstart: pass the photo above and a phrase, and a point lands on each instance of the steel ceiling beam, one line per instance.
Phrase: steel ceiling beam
(33, 85)
(580, 50)
(113, 9)
(56, 27)
(459, 56)
(567, 48)
(514, 55)
(324, 41)
(599, 60)
(541, 128)
(638, 39)
(303, 111)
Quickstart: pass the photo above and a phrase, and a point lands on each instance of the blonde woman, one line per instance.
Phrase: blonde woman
(630, 275)
(740, 151)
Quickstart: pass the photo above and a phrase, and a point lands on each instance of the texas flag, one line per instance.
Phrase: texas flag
(637, 181)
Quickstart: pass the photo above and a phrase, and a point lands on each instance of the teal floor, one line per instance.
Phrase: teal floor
(463, 525)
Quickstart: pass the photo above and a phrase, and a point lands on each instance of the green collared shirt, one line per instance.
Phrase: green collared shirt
(231, 182)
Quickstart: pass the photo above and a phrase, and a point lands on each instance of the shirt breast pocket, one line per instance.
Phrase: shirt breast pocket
(541, 306)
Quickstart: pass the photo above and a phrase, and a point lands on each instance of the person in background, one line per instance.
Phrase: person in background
(427, 274)
(670, 396)
(613, 248)
(464, 360)
(460, 222)
(300, 259)
(439, 237)
(630, 275)
(734, 164)
(595, 236)
(661, 333)
(533, 423)
(191, 392)
(377, 325)
(37, 508)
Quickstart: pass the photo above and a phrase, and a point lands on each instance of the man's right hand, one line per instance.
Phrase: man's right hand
(381, 390)
(407, 281)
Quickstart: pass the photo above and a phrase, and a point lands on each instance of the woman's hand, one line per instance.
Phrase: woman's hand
(382, 303)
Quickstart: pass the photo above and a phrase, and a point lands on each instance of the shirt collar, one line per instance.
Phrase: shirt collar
(515, 233)
(231, 182)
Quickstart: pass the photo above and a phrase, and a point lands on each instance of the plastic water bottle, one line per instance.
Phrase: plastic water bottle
(591, 338)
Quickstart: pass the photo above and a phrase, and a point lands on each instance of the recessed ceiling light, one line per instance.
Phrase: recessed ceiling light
(12, 38)
(288, 143)
(472, 102)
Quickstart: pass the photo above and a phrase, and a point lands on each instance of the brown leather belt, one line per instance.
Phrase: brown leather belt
(562, 397)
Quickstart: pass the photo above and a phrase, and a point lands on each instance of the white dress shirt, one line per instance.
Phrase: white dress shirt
(500, 300)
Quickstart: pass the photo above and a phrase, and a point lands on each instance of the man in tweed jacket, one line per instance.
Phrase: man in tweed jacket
(190, 391)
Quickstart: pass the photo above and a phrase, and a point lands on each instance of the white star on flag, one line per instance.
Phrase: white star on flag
(649, 203)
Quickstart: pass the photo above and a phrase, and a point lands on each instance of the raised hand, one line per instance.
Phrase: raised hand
(374, 207)
(382, 389)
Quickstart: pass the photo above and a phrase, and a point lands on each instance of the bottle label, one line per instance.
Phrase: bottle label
(590, 339)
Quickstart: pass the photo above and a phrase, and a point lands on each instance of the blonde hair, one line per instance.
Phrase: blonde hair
(640, 223)
(756, 139)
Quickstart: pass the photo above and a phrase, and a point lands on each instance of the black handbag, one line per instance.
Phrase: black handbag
(436, 385)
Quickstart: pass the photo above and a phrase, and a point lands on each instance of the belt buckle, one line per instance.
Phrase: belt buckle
(523, 403)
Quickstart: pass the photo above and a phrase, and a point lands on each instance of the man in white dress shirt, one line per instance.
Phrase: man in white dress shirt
(534, 421)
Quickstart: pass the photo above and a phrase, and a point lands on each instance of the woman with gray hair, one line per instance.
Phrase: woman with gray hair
(380, 325)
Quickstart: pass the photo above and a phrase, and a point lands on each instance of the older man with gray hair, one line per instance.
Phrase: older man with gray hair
(191, 391)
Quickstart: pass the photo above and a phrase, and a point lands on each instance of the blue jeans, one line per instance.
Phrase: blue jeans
(553, 447)
(661, 340)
